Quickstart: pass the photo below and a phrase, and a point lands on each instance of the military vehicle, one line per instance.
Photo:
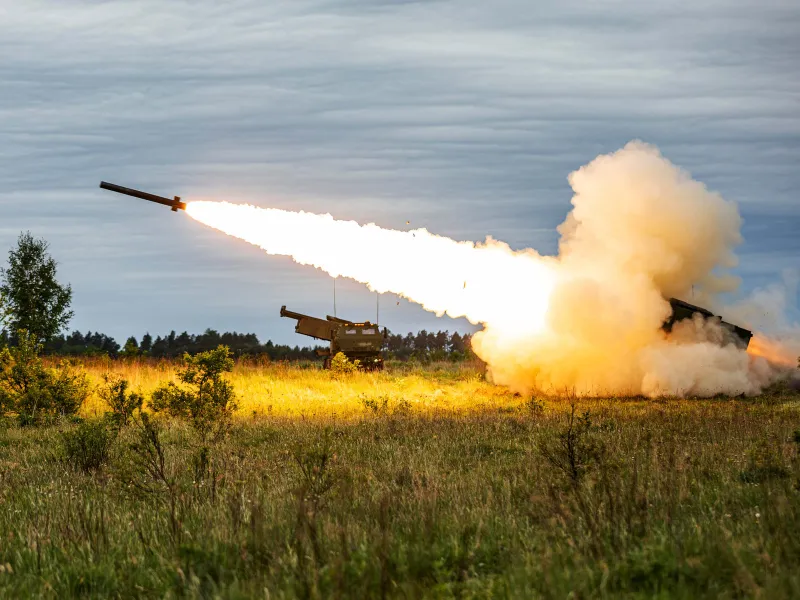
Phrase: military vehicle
(683, 310)
(357, 341)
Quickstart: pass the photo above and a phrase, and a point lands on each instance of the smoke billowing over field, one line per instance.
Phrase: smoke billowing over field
(587, 321)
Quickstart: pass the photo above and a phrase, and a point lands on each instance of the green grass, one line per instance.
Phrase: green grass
(416, 484)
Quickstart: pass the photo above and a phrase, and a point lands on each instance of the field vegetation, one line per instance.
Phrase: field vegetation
(282, 481)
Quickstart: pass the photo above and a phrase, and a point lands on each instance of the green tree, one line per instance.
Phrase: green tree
(34, 300)
(131, 348)
(5, 312)
(5, 315)
(147, 343)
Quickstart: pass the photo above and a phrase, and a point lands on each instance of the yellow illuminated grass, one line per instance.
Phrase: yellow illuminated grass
(291, 391)
(306, 391)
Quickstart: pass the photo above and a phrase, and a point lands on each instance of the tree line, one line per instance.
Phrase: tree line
(422, 345)
(33, 304)
(173, 345)
(427, 345)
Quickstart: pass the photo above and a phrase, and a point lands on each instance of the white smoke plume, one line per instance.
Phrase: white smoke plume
(586, 321)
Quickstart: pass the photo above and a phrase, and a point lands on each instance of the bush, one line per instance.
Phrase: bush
(420, 357)
(379, 405)
(122, 403)
(573, 451)
(341, 365)
(208, 400)
(150, 474)
(88, 446)
(534, 406)
(33, 391)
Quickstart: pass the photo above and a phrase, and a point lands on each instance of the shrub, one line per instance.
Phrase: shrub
(33, 391)
(534, 406)
(573, 451)
(421, 357)
(206, 400)
(122, 403)
(341, 365)
(315, 463)
(88, 446)
(379, 405)
(149, 474)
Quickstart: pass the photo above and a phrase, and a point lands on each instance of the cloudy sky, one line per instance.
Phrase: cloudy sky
(461, 116)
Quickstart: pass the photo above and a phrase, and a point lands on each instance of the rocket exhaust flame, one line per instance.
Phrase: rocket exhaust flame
(781, 353)
(588, 320)
(409, 263)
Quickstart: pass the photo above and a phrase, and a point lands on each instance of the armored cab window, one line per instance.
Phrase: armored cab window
(351, 331)
(368, 332)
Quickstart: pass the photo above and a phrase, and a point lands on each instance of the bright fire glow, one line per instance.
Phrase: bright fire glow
(777, 353)
(587, 321)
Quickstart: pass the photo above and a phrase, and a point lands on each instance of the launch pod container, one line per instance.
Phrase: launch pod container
(683, 310)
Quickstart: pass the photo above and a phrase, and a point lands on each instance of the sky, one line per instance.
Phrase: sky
(461, 116)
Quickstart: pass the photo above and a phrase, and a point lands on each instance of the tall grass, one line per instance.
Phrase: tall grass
(416, 484)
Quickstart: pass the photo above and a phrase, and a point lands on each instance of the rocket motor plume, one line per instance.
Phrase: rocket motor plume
(586, 321)
(782, 353)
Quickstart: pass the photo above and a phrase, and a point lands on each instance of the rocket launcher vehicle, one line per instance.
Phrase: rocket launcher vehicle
(357, 341)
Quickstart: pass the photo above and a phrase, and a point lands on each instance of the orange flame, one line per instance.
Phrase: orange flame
(773, 351)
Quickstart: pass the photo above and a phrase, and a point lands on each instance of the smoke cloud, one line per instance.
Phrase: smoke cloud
(587, 321)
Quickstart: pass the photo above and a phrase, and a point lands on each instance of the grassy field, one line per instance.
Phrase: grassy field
(412, 483)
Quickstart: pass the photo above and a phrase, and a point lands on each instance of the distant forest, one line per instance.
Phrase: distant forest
(424, 345)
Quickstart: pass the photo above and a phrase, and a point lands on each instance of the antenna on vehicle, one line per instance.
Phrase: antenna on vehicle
(334, 296)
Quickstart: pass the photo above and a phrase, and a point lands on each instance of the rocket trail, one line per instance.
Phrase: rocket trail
(482, 282)
(587, 321)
